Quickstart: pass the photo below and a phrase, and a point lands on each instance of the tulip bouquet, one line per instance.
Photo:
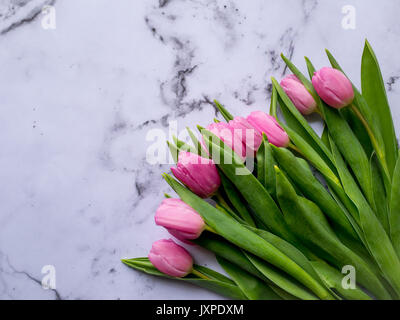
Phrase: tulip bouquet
(287, 211)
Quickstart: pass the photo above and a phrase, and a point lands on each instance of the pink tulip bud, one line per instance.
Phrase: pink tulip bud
(223, 131)
(199, 174)
(264, 123)
(250, 137)
(239, 135)
(180, 219)
(297, 92)
(170, 258)
(333, 87)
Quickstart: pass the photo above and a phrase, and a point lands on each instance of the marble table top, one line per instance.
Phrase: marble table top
(83, 82)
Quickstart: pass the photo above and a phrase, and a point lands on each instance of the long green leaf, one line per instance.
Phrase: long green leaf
(301, 174)
(228, 251)
(252, 287)
(367, 129)
(311, 155)
(281, 280)
(394, 215)
(316, 233)
(225, 113)
(217, 283)
(239, 235)
(274, 102)
(234, 197)
(333, 278)
(348, 144)
(378, 189)
(265, 166)
(376, 238)
(233, 254)
(197, 145)
(227, 211)
(183, 146)
(373, 90)
(298, 255)
(173, 150)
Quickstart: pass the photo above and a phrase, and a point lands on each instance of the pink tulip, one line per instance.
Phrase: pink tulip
(297, 92)
(239, 135)
(199, 174)
(250, 137)
(333, 87)
(223, 131)
(264, 123)
(170, 258)
(180, 219)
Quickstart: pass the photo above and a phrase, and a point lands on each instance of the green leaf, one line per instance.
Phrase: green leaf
(274, 101)
(174, 151)
(252, 287)
(324, 136)
(349, 184)
(226, 210)
(235, 199)
(233, 254)
(358, 129)
(301, 174)
(225, 113)
(333, 278)
(239, 235)
(347, 206)
(377, 240)
(228, 251)
(360, 249)
(217, 283)
(298, 254)
(311, 155)
(316, 233)
(183, 146)
(348, 145)
(197, 145)
(296, 127)
(251, 189)
(368, 133)
(351, 149)
(281, 280)
(265, 166)
(394, 215)
(378, 189)
(373, 90)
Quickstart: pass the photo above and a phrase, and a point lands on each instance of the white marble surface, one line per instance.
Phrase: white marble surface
(76, 103)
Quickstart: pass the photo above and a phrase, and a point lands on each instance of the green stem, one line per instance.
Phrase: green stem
(200, 275)
(371, 135)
